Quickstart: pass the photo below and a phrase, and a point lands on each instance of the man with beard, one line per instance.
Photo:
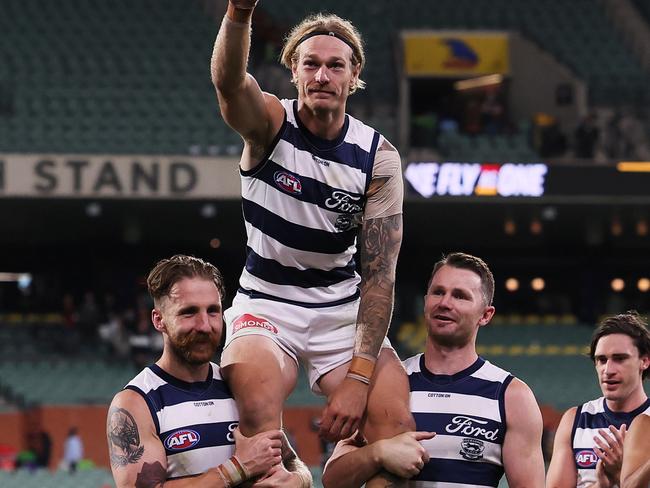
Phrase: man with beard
(588, 448)
(486, 422)
(176, 422)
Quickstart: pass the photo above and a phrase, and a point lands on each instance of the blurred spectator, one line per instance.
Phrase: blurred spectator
(73, 450)
(547, 138)
(40, 443)
(586, 136)
(492, 113)
(89, 317)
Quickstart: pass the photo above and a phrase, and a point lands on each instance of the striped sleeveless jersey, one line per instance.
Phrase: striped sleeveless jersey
(194, 421)
(590, 417)
(302, 208)
(467, 411)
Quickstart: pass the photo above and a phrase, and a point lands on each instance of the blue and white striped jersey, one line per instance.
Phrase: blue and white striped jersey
(467, 411)
(194, 421)
(302, 208)
(590, 417)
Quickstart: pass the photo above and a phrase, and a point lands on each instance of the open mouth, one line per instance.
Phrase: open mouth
(443, 318)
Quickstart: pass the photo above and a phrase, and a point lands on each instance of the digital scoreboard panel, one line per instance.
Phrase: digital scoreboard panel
(539, 180)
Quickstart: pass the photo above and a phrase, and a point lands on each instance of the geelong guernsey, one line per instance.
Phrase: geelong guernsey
(194, 421)
(302, 208)
(467, 411)
(590, 417)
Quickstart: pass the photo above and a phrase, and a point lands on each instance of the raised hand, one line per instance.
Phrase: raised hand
(609, 449)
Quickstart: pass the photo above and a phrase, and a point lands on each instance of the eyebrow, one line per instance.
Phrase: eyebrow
(193, 309)
(331, 59)
(616, 355)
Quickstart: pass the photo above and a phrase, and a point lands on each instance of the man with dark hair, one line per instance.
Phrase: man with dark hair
(176, 422)
(588, 449)
(313, 179)
(486, 422)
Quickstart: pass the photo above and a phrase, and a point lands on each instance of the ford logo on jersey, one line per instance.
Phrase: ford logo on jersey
(182, 439)
(287, 182)
(586, 458)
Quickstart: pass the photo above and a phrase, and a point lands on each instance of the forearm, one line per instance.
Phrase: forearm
(353, 469)
(380, 242)
(231, 48)
(639, 479)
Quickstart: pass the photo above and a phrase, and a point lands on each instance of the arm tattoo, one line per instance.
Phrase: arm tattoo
(123, 438)
(153, 475)
(380, 243)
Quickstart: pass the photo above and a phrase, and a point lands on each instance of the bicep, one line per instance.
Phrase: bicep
(386, 191)
(251, 112)
(137, 456)
(522, 448)
(562, 471)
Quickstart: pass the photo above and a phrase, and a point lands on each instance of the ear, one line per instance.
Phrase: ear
(645, 362)
(294, 68)
(157, 320)
(356, 72)
(488, 313)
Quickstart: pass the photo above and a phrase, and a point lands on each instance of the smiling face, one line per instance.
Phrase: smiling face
(190, 319)
(454, 307)
(619, 367)
(324, 73)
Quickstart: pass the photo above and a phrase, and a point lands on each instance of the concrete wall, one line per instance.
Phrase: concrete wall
(535, 78)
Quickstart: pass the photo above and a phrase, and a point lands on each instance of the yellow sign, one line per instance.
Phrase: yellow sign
(455, 54)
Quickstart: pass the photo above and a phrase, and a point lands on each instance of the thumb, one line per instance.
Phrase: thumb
(238, 435)
(421, 436)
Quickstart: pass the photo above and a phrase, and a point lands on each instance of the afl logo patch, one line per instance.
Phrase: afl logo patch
(247, 321)
(586, 458)
(287, 182)
(472, 449)
(182, 439)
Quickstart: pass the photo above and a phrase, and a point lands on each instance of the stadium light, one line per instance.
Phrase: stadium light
(536, 226)
(24, 280)
(512, 284)
(643, 284)
(478, 82)
(616, 228)
(215, 243)
(538, 284)
(617, 284)
(509, 227)
(642, 227)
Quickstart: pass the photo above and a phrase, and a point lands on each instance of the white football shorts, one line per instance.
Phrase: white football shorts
(319, 338)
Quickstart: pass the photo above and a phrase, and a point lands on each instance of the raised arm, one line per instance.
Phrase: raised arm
(562, 470)
(138, 457)
(522, 448)
(255, 115)
(636, 458)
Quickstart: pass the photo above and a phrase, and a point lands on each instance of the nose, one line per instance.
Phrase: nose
(445, 301)
(609, 367)
(321, 75)
(203, 322)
